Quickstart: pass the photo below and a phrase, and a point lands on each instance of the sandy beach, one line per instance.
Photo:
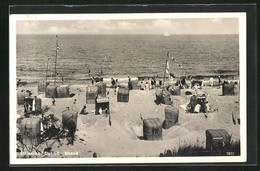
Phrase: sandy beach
(124, 137)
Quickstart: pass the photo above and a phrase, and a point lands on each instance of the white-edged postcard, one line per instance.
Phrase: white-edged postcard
(128, 88)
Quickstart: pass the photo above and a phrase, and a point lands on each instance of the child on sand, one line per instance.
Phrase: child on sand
(53, 101)
(83, 111)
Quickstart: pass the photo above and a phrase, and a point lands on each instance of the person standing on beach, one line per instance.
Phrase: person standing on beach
(106, 112)
(211, 80)
(92, 80)
(109, 120)
(160, 83)
(113, 82)
(18, 83)
(78, 92)
(53, 101)
(152, 83)
(191, 82)
(219, 81)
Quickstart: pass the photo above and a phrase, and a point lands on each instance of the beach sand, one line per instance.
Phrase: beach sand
(122, 138)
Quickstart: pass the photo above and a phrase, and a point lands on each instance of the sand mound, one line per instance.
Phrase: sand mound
(175, 132)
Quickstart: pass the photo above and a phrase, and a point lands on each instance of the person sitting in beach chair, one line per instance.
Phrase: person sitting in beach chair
(100, 111)
(207, 107)
(142, 86)
(197, 108)
(28, 105)
(146, 85)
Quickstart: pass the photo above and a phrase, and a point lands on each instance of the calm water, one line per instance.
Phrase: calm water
(135, 55)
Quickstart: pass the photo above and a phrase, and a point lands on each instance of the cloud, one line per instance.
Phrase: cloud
(26, 27)
(216, 20)
(126, 25)
(137, 26)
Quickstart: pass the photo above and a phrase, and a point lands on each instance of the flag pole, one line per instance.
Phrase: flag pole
(46, 73)
(165, 68)
(56, 59)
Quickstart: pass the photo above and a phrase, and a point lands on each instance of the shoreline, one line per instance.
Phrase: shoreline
(124, 78)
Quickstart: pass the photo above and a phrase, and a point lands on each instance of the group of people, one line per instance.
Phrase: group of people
(198, 104)
(95, 80)
(149, 84)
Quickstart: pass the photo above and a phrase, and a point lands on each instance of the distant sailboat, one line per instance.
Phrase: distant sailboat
(166, 34)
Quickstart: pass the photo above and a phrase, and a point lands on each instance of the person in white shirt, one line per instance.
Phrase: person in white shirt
(100, 111)
(211, 80)
(197, 108)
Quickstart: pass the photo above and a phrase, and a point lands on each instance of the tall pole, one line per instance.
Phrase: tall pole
(57, 46)
(46, 73)
(165, 68)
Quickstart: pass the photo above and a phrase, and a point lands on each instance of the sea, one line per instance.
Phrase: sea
(80, 57)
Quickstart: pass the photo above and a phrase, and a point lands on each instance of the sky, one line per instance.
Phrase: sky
(130, 26)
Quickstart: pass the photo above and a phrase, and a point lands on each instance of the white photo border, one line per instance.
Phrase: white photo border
(13, 18)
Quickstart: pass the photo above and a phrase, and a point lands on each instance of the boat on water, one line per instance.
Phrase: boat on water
(166, 34)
